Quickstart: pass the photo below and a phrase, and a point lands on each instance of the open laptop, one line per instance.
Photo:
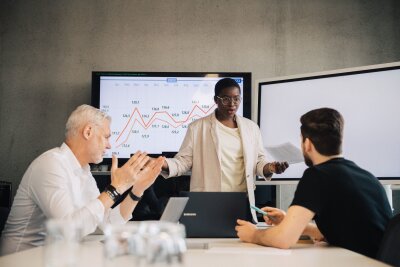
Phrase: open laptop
(174, 209)
(214, 214)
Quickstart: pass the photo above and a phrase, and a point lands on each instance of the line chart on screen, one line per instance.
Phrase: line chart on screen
(159, 120)
(153, 115)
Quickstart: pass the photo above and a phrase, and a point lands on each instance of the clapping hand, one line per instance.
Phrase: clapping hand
(124, 177)
(148, 175)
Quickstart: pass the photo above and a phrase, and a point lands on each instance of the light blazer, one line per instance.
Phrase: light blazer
(200, 153)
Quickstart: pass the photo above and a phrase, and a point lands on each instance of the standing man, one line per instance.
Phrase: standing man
(59, 184)
(223, 150)
(348, 204)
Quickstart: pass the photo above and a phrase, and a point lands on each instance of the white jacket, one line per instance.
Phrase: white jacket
(200, 153)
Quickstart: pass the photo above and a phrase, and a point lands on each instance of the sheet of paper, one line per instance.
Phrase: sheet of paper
(255, 250)
(285, 152)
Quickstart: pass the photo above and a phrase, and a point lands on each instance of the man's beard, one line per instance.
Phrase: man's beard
(307, 160)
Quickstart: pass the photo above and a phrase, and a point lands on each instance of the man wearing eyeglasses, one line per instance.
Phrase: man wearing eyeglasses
(224, 151)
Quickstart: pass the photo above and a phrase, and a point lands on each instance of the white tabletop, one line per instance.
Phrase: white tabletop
(214, 252)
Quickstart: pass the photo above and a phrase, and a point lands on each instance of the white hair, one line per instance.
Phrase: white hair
(83, 115)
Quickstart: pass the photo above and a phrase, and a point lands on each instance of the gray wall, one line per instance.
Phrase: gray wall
(49, 48)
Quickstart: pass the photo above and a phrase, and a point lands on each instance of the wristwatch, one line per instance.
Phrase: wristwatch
(134, 197)
(112, 192)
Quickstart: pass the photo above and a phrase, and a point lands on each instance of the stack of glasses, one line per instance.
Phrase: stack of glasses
(147, 243)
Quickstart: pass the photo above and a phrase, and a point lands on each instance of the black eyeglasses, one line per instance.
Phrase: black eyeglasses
(226, 100)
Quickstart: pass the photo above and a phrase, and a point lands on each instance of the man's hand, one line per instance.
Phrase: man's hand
(246, 231)
(124, 177)
(314, 233)
(147, 175)
(275, 216)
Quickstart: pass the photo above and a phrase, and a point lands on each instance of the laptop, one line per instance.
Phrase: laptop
(214, 214)
(174, 209)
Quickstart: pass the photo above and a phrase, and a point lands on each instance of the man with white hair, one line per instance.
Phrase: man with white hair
(59, 184)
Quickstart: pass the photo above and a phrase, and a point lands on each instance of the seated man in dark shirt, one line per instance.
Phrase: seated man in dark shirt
(348, 204)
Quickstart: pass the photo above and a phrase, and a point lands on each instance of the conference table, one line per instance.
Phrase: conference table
(212, 252)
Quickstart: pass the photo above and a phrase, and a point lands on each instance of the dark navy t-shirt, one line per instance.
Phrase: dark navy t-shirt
(350, 205)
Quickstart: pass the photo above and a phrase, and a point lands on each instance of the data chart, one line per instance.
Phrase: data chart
(152, 114)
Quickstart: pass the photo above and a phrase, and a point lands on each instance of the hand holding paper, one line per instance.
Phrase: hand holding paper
(277, 167)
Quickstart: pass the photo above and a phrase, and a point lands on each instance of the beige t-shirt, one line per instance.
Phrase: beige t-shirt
(232, 162)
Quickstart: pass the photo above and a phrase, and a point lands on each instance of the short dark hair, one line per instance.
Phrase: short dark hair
(324, 127)
(225, 83)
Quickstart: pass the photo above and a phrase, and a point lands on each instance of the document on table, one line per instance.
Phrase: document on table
(253, 250)
(285, 152)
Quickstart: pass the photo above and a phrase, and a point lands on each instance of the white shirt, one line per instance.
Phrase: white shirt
(54, 186)
(232, 162)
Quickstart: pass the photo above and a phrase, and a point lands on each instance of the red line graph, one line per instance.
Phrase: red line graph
(154, 118)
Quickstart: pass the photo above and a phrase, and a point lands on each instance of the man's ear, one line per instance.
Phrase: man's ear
(215, 99)
(87, 131)
(308, 145)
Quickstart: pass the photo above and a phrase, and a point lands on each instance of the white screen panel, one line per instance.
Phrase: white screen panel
(369, 103)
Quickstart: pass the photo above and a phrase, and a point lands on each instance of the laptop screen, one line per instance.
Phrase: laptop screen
(174, 209)
(214, 214)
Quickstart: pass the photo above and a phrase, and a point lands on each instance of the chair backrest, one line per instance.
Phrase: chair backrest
(3, 217)
(5, 194)
(389, 250)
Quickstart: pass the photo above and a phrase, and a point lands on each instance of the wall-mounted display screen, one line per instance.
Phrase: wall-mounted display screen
(151, 111)
(368, 99)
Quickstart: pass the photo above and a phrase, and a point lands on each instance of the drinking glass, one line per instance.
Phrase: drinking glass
(147, 243)
(165, 243)
(123, 244)
(61, 243)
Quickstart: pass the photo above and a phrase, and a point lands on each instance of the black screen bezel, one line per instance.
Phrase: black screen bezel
(247, 84)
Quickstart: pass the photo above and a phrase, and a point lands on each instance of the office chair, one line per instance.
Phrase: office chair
(389, 249)
(3, 217)
(5, 202)
(5, 194)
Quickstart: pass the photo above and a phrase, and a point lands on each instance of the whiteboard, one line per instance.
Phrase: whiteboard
(368, 99)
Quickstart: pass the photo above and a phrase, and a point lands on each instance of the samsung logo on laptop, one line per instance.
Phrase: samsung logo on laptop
(189, 214)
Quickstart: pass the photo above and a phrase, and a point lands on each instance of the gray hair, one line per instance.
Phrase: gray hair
(82, 115)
